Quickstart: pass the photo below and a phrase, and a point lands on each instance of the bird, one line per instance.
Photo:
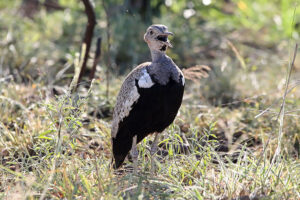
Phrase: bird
(149, 98)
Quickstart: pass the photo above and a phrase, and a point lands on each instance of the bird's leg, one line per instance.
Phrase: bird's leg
(134, 153)
(153, 150)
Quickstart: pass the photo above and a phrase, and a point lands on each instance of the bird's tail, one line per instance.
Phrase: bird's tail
(121, 147)
(118, 161)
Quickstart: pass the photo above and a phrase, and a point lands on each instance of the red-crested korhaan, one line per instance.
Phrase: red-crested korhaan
(149, 98)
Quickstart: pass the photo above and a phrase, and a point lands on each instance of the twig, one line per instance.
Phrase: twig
(282, 108)
(287, 82)
(238, 55)
(281, 113)
(77, 65)
(88, 36)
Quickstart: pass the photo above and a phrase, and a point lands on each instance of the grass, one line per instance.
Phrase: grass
(51, 148)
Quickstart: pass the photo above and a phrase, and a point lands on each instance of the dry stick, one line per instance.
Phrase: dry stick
(77, 65)
(238, 55)
(287, 82)
(88, 35)
(282, 112)
(108, 47)
(96, 59)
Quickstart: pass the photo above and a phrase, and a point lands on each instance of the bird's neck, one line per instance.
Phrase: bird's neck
(157, 55)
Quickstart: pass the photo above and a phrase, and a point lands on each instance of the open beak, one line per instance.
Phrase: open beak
(169, 33)
(168, 41)
(164, 38)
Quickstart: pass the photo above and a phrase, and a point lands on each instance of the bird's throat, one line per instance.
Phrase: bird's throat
(157, 55)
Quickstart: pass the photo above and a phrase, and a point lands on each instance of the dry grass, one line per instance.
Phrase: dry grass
(50, 144)
(195, 73)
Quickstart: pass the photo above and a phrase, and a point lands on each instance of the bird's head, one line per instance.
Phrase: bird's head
(157, 37)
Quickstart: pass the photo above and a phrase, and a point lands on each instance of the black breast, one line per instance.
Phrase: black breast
(155, 110)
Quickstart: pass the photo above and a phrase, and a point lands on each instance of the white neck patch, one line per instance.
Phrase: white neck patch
(145, 80)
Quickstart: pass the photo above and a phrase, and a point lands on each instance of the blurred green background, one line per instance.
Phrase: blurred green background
(38, 39)
(45, 37)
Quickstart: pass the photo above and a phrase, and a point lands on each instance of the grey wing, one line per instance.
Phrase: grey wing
(128, 95)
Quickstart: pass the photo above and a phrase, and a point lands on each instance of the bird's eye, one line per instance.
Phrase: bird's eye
(151, 32)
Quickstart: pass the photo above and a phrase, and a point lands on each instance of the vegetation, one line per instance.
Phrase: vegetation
(237, 135)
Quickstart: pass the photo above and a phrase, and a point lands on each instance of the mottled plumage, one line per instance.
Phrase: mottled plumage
(149, 98)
